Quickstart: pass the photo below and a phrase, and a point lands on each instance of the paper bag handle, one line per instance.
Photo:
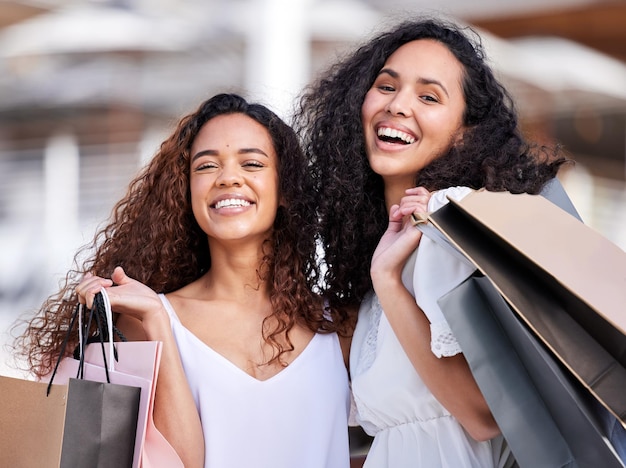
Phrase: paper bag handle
(108, 316)
(102, 302)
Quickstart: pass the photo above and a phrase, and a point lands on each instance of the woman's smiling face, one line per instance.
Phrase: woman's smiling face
(413, 111)
(234, 178)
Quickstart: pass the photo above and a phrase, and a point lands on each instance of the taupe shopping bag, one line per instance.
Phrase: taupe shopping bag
(25, 411)
(565, 281)
(83, 423)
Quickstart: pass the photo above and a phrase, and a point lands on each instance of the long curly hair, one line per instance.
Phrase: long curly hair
(492, 154)
(153, 235)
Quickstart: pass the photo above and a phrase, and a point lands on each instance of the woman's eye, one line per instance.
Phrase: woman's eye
(206, 166)
(253, 164)
(386, 88)
(430, 98)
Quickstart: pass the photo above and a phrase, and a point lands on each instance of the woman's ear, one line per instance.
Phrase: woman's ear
(460, 134)
(458, 137)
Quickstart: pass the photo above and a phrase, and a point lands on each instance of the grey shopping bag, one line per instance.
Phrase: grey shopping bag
(545, 415)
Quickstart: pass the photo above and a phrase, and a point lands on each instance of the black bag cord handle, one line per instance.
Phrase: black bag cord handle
(98, 311)
(86, 325)
(101, 332)
(77, 310)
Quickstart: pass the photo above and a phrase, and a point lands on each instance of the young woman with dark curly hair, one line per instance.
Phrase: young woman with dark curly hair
(411, 116)
(212, 251)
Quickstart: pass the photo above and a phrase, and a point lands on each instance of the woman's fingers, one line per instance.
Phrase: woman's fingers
(89, 287)
(417, 191)
(415, 201)
(395, 215)
(119, 276)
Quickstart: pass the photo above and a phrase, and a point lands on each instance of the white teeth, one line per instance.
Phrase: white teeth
(231, 202)
(393, 133)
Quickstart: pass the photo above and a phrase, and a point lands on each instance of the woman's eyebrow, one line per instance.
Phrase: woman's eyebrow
(203, 153)
(253, 150)
(210, 152)
(428, 81)
(394, 74)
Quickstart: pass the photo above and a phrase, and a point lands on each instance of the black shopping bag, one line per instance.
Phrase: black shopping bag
(100, 424)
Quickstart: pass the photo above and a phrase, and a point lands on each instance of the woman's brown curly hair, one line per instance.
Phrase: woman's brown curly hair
(153, 235)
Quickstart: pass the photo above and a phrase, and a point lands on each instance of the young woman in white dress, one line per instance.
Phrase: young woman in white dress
(212, 251)
(411, 116)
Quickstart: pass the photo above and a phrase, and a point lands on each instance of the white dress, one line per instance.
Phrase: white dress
(297, 418)
(410, 427)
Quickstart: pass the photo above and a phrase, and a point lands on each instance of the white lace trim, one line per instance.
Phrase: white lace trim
(443, 343)
(368, 349)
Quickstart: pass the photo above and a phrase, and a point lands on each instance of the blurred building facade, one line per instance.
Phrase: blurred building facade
(88, 89)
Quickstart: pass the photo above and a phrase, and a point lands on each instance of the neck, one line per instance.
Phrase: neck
(234, 272)
(395, 190)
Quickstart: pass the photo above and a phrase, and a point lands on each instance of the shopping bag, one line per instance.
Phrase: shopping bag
(133, 363)
(31, 424)
(94, 424)
(137, 365)
(80, 424)
(545, 415)
(562, 278)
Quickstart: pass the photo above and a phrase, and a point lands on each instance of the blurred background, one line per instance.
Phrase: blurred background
(88, 90)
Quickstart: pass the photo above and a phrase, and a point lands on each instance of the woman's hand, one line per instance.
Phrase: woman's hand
(128, 297)
(401, 237)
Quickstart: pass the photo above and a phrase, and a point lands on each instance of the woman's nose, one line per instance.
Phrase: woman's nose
(229, 176)
(399, 105)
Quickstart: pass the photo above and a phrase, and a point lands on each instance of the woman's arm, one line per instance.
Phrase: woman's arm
(143, 317)
(449, 379)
